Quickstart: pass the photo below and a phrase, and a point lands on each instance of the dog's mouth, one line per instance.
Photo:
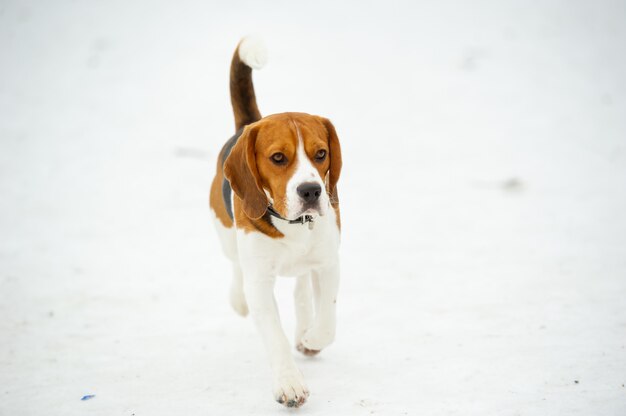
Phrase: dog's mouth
(311, 211)
(314, 210)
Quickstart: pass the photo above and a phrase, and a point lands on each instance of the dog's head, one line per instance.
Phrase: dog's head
(291, 160)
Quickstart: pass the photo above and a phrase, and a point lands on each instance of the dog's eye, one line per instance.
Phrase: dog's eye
(279, 158)
(320, 155)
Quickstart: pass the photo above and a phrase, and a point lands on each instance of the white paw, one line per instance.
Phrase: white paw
(290, 390)
(238, 301)
(318, 338)
(304, 350)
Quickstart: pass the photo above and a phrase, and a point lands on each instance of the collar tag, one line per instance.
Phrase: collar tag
(300, 220)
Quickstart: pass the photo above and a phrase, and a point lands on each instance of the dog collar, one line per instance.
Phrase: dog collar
(303, 219)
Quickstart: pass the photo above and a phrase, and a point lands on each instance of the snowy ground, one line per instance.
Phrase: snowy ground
(483, 200)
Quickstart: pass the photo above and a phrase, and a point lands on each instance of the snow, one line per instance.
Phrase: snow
(483, 199)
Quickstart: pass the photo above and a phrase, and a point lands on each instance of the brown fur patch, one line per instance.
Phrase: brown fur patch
(240, 168)
(262, 225)
(216, 200)
(279, 133)
(251, 171)
(242, 95)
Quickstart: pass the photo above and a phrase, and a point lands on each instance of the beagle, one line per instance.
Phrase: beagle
(274, 196)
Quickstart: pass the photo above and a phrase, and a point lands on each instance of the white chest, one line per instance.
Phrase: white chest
(298, 252)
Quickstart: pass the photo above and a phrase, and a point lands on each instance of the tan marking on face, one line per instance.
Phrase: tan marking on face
(314, 139)
(276, 135)
(280, 133)
(251, 162)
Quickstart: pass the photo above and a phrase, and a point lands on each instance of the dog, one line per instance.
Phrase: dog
(274, 196)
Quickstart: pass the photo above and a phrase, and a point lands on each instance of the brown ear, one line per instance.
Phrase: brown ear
(335, 155)
(241, 171)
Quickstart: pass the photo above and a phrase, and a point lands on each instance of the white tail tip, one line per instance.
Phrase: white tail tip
(252, 52)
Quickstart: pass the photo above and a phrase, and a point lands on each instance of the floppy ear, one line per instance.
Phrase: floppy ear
(241, 171)
(335, 155)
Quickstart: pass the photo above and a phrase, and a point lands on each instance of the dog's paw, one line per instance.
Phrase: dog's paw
(317, 338)
(304, 350)
(290, 390)
(238, 302)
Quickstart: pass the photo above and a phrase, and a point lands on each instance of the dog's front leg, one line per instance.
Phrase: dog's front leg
(325, 286)
(289, 387)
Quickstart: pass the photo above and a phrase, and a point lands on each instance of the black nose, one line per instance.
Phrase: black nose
(309, 191)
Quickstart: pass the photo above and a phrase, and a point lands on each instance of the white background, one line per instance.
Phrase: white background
(483, 201)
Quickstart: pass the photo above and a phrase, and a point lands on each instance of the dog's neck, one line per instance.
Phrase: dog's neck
(304, 231)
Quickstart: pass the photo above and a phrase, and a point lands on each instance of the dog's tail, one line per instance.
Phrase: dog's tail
(250, 53)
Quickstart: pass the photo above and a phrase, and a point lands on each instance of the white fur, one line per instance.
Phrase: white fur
(312, 256)
(252, 52)
(228, 239)
(303, 302)
(301, 252)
